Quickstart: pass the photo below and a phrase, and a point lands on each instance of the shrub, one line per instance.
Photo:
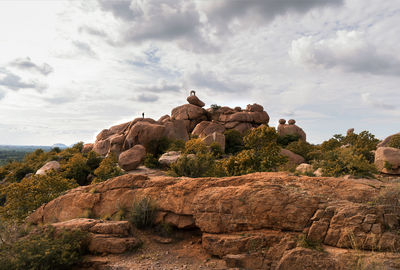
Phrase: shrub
(78, 146)
(195, 146)
(345, 161)
(305, 242)
(77, 168)
(216, 150)
(24, 197)
(200, 165)
(143, 213)
(233, 141)
(18, 172)
(389, 196)
(304, 149)
(44, 249)
(260, 137)
(107, 169)
(215, 107)
(176, 145)
(330, 145)
(93, 160)
(150, 161)
(158, 147)
(363, 143)
(395, 141)
(285, 140)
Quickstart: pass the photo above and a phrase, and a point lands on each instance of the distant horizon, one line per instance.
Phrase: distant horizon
(69, 69)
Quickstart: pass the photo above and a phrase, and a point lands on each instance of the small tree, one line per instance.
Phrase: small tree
(108, 169)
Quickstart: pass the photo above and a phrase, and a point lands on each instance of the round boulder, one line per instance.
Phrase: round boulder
(131, 159)
(51, 165)
(387, 160)
(195, 101)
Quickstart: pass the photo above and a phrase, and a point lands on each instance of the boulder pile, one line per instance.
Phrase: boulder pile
(191, 118)
(290, 129)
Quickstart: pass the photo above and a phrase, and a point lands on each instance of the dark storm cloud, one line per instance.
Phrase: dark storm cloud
(14, 82)
(27, 64)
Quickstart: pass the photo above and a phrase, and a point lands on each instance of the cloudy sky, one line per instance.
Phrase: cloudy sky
(68, 69)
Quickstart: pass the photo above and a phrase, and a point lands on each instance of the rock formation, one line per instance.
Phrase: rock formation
(386, 141)
(387, 160)
(290, 129)
(51, 165)
(186, 119)
(131, 158)
(254, 220)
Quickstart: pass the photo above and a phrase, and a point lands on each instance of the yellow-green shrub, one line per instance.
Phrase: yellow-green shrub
(24, 197)
(76, 168)
(195, 146)
(108, 169)
(200, 165)
(233, 141)
(395, 141)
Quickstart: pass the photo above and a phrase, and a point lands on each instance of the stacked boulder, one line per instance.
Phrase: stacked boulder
(191, 118)
(290, 129)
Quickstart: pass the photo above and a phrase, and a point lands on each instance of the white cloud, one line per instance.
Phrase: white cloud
(348, 50)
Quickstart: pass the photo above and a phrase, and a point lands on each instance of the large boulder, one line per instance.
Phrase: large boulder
(170, 157)
(290, 129)
(102, 147)
(131, 159)
(386, 141)
(387, 160)
(304, 168)
(116, 143)
(176, 130)
(293, 159)
(206, 128)
(51, 165)
(191, 114)
(87, 147)
(143, 133)
(195, 101)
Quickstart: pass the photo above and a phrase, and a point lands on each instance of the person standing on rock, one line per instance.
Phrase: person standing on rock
(143, 115)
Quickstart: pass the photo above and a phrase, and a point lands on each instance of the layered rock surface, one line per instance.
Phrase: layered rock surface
(234, 212)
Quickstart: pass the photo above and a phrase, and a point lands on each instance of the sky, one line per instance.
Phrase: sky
(69, 69)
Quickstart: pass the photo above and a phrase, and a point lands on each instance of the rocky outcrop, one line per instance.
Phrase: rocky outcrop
(387, 160)
(190, 114)
(293, 159)
(87, 147)
(206, 128)
(290, 129)
(105, 237)
(386, 141)
(51, 165)
(168, 158)
(333, 211)
(215, 137)
(131, 159)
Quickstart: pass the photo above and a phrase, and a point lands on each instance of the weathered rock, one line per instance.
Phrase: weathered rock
(350, 131)
(102, 147)
(290, 129)
(143, 133)
(195, 101)
(206, 128)
(387, 160)
(131, 159)
(293, 159)
(254, 108)
(168, 158)
(386, 141)
(100, 244)
(304, 168)
(51, 165)
(304, 258)
(176, 130)
(191, 114)
(163, 119)
(87, 147)
(116, 143)
(318, 172)
(215, 137)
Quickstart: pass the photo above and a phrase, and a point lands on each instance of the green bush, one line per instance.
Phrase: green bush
(176, 145)
(216, 150)
(150, 161)
(143, 213)
(200, 165)
(24, 197)
(44, 249)
(93, 160)
(330, 145)
(260, 137)
(195, 146)
(233, 141)
(77, 168)
(344, 161)
(285, 140)
(107, 169)
(395, 141)
(304, 149)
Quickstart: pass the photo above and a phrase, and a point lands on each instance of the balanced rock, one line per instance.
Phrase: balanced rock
(206, 128)
(51, 165)
(131, 159)
(254, 108)
(191, 114)
(387, 160)
(169, 157)
(290, 129)
(195, 101)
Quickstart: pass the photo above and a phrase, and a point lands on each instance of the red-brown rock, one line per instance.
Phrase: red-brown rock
(131, 159)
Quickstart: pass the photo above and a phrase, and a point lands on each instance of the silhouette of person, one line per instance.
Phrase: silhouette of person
(143, 115)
